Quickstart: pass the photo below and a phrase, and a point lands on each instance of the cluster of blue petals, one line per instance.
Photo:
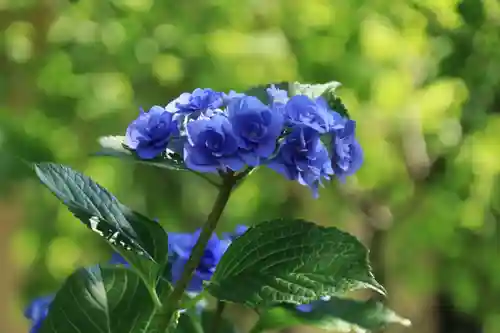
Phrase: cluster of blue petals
(299, 137)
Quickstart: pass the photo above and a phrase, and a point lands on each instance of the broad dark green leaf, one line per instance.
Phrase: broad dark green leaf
(102, 299)
(338, 314)
(114, 146)
(141, 241)
(261, 93)
(291, 261)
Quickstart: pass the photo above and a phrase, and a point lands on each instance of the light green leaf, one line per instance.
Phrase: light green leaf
(142, 242)
(337, 314)
(102, 299)
(291, 261)
(114, 146)
(313, 90)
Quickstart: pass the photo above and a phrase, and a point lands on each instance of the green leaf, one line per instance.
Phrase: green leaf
(337, 314)
(207, 318)
(114, 146)
(261, 93)
(141, 241)
(189, 322)
(313, 90)
(291, 261)
(102, 299)
(336, 104)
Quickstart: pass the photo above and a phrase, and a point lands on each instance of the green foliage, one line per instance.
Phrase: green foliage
(291, 261)
(313, 90)
(337, 314)
(104, 300)
(141, 241)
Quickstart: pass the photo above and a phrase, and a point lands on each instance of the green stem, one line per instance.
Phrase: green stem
(174, 300)
(217, 319)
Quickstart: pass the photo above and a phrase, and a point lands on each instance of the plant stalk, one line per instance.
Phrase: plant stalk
(217, 319)
(174, 300)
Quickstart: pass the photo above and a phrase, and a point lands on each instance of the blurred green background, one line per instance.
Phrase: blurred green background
(422, 79)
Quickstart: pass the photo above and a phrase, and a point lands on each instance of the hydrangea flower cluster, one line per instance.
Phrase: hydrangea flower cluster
(215, 131)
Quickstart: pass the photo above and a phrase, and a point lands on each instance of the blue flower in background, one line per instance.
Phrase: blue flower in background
(211, 145)
(117, 259)
(347, 154)
(303, 157)
(180, 247)
(238, 231)
(151, 132)
(256, 126)
(304, 111)
(37, 311)
(310, 307)
(278, 97)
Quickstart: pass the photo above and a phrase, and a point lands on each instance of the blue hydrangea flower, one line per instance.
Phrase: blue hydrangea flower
(346, 152)
(314, 113)
(276, 95)
(211, 145)
(37, 311)
(227, 98)
(310, 307)
(180, 247)
(151, 132)
(303, 157)
(256, 126)
(238, 231)
(198, 100)
(191, 106)
(117, 259)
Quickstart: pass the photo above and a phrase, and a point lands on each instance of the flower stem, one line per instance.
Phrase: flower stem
(174, 300)
(217, 317)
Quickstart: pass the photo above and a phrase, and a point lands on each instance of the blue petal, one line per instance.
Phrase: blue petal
(117, 259)
(195, 128)
(181, 244)
(233, 162)
(198, 159)
(178, 268)
(266, 149)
